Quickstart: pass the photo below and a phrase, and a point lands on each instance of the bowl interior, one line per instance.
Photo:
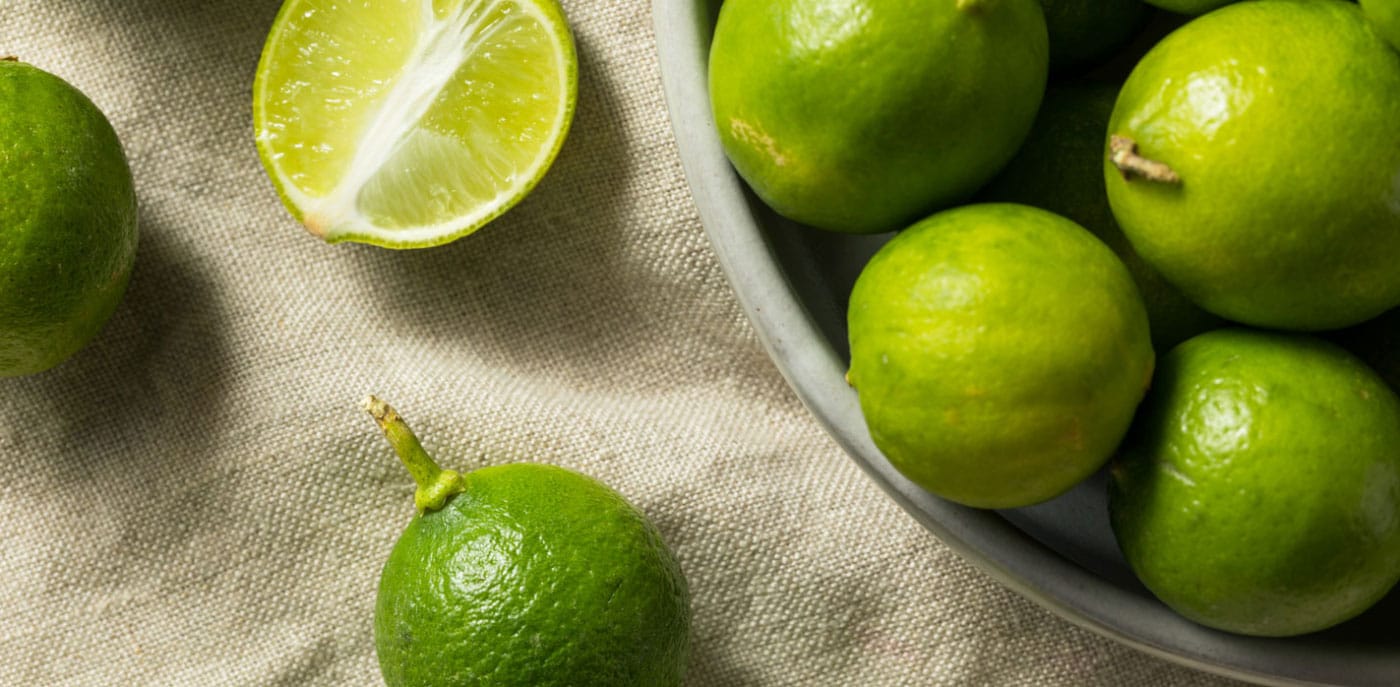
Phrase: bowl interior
(794, 282)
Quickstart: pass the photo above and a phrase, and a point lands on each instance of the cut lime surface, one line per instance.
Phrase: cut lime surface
(411, 123)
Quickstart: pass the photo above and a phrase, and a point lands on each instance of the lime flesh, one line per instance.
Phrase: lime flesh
(411, 123)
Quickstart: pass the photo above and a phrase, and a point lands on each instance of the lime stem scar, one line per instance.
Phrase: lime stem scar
(9, 58)
(1123, 153)
(435, 485)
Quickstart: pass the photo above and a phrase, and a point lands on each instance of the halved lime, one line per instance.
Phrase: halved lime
(411, 123)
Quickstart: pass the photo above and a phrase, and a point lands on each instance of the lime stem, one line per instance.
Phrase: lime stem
(1123, 153)
(9, 58)
(435, 485)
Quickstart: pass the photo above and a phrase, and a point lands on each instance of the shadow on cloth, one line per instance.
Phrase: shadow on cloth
(161, 356)
(550, 269)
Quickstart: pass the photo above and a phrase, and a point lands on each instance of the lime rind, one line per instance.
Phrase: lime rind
(456, 134)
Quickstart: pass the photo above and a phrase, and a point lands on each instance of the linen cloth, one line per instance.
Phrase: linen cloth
(197, 499)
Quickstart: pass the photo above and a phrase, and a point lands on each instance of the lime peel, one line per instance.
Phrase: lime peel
(68, 220)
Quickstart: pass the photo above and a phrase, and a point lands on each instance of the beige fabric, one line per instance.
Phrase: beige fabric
(196, 499)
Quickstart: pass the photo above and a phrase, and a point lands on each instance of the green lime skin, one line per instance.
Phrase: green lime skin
(67, 220)
(1190, 7)
(1384, 16)
(1259, 491)
(1279, 119)
(533, 576)
(1085, 32)
(999, 352)
(861, 116)
(1060, 169)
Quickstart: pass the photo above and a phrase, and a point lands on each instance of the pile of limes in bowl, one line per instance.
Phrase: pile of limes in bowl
(1183, 273)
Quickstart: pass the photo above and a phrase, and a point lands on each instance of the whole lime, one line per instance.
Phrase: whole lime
(1259, 492)
(1060, 169)
(1254, 160)
(1384, 16)
(999, 352)
(862, 115)
(67, 220)
(525, 575)
(1084, 32)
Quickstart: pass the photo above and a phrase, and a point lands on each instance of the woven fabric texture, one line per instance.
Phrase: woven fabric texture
(197, 499)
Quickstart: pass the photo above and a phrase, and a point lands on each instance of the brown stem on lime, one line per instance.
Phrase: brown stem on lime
(1123, 153)
(435, 485)
(8, 58)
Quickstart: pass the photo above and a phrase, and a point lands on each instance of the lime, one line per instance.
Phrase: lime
(1384, 16)
(862, 115)
(67, 220)
(1259, 491)
(999, 352)
(410, 124)
(525, 575)
(1060, 169)
(1254, 161)
(1084, 32)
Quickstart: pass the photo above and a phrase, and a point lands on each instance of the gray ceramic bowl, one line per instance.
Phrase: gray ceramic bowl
(793, 282)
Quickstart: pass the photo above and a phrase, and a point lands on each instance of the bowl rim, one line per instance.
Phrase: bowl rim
(815, 371)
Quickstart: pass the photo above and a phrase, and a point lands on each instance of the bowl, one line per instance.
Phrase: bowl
(793, 282)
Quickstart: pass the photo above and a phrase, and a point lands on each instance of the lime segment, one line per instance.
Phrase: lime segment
(410, 123)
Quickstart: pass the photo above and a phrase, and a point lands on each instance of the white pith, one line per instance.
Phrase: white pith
(443, 47)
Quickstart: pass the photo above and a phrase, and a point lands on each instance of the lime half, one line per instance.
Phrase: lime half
(411, 123)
